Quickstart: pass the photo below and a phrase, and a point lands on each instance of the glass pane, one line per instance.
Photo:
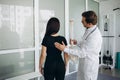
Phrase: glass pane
(76, 8)
(14, 64)
(16, 24)
(49, 9)
(93, 5)
(73, 65)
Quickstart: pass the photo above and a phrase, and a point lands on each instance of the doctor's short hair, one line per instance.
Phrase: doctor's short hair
(90, 17)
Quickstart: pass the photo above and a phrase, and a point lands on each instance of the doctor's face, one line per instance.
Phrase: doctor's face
(85, 24)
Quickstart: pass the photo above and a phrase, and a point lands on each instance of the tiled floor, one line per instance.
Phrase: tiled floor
(112, 72)
(104, 74)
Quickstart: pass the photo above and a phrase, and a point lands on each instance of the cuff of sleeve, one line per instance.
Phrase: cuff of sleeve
(66, 50)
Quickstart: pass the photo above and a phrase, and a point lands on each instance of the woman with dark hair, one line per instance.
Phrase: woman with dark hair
(54, 66)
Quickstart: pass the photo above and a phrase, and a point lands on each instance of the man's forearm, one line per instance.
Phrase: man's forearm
(77, 51)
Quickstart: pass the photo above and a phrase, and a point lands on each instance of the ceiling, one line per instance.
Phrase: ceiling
(100, 0)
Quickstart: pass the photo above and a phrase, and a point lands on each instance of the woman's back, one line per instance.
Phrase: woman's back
(52, 52)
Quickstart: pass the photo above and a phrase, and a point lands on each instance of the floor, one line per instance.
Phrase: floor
(110, 72)
(104, 74)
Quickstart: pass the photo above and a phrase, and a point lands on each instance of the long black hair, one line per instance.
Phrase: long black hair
(53, 26)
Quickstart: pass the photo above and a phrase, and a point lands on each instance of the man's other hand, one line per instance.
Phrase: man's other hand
(73, 42)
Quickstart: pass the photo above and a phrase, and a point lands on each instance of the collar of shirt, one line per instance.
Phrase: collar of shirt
(88, 31)
(92, 28)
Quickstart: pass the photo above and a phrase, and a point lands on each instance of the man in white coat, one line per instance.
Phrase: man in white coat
(88, 49)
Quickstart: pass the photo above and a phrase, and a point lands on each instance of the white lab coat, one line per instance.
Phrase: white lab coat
(88, 52)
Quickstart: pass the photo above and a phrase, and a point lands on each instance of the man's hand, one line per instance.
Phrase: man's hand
(60, 46)
(73, 42)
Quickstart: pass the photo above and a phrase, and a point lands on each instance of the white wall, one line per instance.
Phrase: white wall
(118, 31)
(106, 8)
